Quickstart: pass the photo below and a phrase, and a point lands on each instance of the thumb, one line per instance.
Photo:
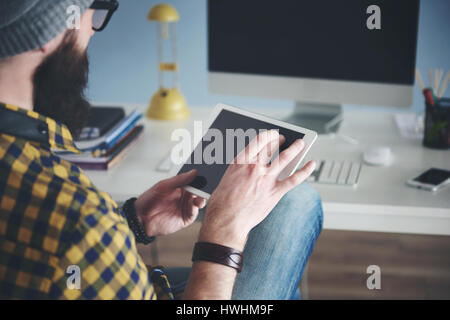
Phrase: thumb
(181, 179)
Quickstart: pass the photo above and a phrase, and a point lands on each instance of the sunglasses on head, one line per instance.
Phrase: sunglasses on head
(104, 10)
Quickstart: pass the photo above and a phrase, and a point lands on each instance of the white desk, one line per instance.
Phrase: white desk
(381, 202)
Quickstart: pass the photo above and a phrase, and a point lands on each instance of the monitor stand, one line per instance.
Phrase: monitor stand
(322, 118)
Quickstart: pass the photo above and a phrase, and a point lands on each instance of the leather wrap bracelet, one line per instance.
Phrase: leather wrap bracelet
(211, 252)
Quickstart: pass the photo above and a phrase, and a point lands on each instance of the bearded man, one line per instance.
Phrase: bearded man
(54, 222)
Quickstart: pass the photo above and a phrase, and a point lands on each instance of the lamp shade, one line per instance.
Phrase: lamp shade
(163, 12)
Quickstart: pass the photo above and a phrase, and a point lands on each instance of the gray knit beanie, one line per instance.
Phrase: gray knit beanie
(29, 24)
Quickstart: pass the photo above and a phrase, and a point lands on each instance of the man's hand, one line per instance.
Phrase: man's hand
(250, 189)
(167, 207)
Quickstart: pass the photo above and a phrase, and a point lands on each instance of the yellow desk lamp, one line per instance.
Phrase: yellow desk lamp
(167, 103)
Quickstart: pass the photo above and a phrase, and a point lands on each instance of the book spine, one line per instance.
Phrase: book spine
(130, 127)
(92, 166)
(117, 155)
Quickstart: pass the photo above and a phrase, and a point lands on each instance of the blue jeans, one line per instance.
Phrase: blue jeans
(277, 249)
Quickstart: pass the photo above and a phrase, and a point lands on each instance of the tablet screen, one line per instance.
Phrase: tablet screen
(228, 135)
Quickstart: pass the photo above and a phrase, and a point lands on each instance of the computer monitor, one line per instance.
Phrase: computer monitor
(318, 53)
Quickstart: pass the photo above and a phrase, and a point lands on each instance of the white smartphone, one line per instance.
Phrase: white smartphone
(432, 180)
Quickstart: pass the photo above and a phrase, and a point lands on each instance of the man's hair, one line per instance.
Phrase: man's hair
(59, 84)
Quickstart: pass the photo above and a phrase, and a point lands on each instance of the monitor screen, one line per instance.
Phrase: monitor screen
(320, 39)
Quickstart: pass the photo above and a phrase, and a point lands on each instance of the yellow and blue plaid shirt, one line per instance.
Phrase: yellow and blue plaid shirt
(53, 218)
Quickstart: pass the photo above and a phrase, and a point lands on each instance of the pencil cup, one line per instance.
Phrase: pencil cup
(437, 125)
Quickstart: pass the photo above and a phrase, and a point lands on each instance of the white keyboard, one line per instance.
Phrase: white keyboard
(343, 173)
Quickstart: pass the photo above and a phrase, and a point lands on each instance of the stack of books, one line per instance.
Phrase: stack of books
(107, 138)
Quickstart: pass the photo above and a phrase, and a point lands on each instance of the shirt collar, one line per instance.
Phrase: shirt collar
(57, 134)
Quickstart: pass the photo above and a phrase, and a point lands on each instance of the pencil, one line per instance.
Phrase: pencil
(439, 74)
(430, 77)
(435, 88)
(428, 93)
(419, 80)
(444, 85)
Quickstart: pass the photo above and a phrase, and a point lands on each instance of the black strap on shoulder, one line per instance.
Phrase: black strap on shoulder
(22, 126)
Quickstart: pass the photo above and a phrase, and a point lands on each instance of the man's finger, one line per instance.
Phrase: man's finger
(249, 154)
(285, 157)
(270, 149)
(199, 202)
(180, 180)
(298, 177)
(191, 208)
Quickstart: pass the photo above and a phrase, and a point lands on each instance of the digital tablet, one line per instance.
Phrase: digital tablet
(228, 131)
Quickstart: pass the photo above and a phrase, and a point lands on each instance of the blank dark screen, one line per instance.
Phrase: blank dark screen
(433, 176)
(325, 39)
(209, 175)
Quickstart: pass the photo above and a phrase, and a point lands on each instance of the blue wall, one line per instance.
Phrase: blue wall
(124, 64)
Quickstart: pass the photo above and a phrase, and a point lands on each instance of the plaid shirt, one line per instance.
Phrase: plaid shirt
(54, 222)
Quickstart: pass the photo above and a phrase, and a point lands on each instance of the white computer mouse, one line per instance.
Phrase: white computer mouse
(378, 156)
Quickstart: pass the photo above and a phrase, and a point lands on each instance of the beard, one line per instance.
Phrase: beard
(59, 85)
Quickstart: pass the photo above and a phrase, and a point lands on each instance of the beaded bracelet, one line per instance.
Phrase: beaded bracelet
(133, 222)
